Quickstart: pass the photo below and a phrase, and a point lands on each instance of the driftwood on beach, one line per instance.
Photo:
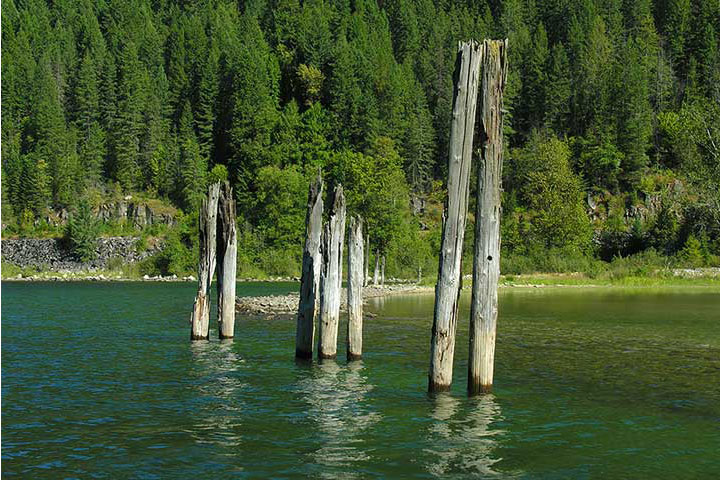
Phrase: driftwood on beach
(331, 277)
(447, 294)
(308, 305)
(200, 318)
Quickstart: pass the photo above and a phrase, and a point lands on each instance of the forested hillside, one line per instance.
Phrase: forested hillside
(612, 124)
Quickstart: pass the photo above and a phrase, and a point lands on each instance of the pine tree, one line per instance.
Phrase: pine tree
(131, 96)
(559, 90)
(208, 89)
(87, 120)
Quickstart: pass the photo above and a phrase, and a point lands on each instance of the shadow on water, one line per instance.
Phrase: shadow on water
(462, 438)
(336, 399)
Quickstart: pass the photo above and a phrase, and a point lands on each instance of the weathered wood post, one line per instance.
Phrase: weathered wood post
(367, 259)
(226, 262)
(200, 318)
(447, 290)
(486, 263)
(354, 289)
(376, 273)
(382, 271)
(308, 307)
(331, 277)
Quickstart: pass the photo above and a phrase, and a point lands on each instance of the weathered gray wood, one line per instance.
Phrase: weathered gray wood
(366, 278)
(331, 277)
(447, 291)
(486, 263)
(308, 307)
(200, 318)
(354, 289)
(382, 271)
(226, 262)
(376, 273)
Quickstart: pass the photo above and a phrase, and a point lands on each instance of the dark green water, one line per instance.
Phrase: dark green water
(101, 381)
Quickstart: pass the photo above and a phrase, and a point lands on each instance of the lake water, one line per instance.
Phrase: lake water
(101, 381)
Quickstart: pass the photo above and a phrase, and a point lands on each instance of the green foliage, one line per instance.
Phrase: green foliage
(150, 95)
(82, 232)
(553, 194)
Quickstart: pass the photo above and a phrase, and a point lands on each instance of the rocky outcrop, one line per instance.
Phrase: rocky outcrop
(55, 254)
(137, 213)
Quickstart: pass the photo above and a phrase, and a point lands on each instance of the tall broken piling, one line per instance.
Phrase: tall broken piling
(331, 277)
(447, 291)
(486, 263)
(308, 307)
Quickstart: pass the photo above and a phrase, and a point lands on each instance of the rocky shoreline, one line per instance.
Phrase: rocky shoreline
(288, 304)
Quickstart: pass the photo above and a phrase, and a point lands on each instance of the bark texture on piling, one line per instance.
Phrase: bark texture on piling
(226, 261)
(331, 277)
(447, 291)
(486, 263)
(354, 289)
(376, 272)
(309, 304)
(367, 259)
(200, 318)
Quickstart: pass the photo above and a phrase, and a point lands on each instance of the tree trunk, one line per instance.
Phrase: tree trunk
(200, 318)
(486, 264)
(310, 279)
(419, 280)
(376, 273)
(447, 291)
(226, 262)
(366, 278)
(354, 289)
(331, 278)
(382, 271)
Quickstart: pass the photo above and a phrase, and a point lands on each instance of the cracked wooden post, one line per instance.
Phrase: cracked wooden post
(308, 307)
(382, 271)
(200, 318)
(367, 259)
(226, 262)
(447, 290)
(331, 277)
(376, 273)
(486, 263)
(354, 289)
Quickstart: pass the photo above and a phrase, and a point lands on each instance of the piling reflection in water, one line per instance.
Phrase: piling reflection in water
(462, 437)
(336, 397)
(218, 405)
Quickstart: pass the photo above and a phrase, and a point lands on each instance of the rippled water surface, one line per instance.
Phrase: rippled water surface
(101, 381)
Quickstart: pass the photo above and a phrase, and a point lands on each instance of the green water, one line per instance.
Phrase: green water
(101, 381)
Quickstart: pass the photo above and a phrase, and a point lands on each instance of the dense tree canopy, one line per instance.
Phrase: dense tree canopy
(609, 99)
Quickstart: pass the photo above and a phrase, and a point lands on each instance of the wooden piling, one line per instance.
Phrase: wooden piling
(200, 318)
(376, 273)
(486, 263)
(382, 271)
(308, 307)
(447, 291)
(226, 262)
(367, 259)
(354, 289)
(331, 277)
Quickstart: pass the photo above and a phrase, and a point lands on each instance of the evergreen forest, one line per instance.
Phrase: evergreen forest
(612, 122)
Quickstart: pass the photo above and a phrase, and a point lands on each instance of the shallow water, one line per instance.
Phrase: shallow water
(101, 381)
